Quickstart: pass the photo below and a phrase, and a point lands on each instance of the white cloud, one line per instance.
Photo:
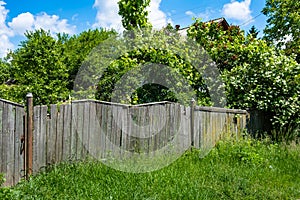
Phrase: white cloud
(5, 45)
(28, 21)
(237, 10)
(107, 14)
(156, 16)
(21, 23)
(190, 13)
(53, 23)
(5, 32)
(108, 17)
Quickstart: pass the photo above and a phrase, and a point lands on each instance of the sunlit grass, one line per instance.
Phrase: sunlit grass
(247, 169)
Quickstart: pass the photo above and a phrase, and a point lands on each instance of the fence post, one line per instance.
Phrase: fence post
(29, 133)
(192, 121)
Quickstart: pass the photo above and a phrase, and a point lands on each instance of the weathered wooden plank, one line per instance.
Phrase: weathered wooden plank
(79, 129)
(117, 112)
(11, 145)
(4, 139)
(220, 110)
(93, 136)
(19, 133)
(125, 130)
(1, 138)
(86, 132)
(51, 135)
(37, 117)
(100, 136)
(66, 154)
(74, 136)
(59, 134)
(43, 137)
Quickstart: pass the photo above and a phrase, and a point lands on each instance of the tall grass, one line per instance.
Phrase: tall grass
(247, 169)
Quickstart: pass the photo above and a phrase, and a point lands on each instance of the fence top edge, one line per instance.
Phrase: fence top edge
(220, 110)
(12, 103)
(120, 104)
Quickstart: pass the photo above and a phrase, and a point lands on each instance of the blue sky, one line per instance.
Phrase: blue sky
(74, 17)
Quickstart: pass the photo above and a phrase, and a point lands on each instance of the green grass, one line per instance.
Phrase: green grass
(248, 169)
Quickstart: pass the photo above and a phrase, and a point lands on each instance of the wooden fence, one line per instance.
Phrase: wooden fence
(99, 129)
(12, 129)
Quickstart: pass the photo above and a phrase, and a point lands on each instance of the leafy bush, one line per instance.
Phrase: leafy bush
(257, 76)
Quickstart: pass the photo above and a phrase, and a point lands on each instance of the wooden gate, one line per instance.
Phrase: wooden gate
(12, 130)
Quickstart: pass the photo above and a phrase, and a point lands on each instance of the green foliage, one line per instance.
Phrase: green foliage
(256, 75)
(2, 179)
(283, 25)
(134, 13)
(253, 31)
(38, 67)
(47, 66)
(4, 71)
(246, 169)
(142, 57)
(78, 47)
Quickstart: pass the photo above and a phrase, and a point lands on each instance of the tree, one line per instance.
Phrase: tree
(38, 67)
(4, 71)
(283, 25)
(257, 76)
(134, 13)
(46, 65)
(253, 31)
(78, 47)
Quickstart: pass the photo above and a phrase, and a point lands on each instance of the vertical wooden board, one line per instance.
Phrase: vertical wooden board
(100, 132)
(43, 138)
(111, 130)
(146, 122)
(37, 135)
(152, 132)
(153, 145)
(196, 129)
(202, 128)
(161, 129)
(167, 123)
(222, 117)
(4, 144)
(176, 121)
(52, 135)
(1, 137)
(59, 134)
(19, 133)
(74, 136)
(10, 145)
(139, 129)
(142, 131)
(123, 130)
(156, 132)
(130, 130)
(66, 154)
(94, 135)
(213, 126)
(206, 124)
(103, 125)
(79, 130)
(163, 123)
(200, 134)
(118, 124)
(86, 132)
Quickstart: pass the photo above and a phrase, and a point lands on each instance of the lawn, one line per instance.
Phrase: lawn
(245, 169)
